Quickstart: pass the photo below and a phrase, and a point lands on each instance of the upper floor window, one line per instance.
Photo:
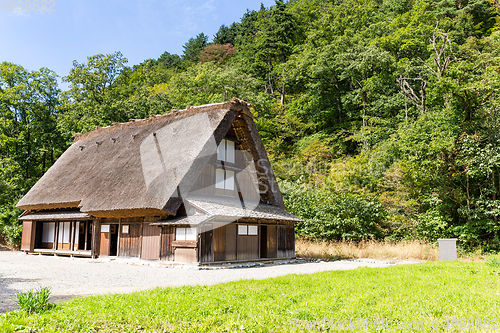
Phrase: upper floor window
(224, 179)
(225, 151)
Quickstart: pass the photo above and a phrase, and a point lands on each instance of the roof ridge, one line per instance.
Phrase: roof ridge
(172, 113)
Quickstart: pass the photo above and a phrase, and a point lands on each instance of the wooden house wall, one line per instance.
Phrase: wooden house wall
(272, 250)
(231, 231)
(217, 242)
(248, 247)
(278, 241)
(204, 184)
(28, 236)
(151, 242)
(206, 243)
(167, 237)
(220, 243)
(286, 241)
(54, 235)
(185, 255)
(130, 244)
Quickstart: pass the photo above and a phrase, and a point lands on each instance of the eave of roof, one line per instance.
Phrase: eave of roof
(230, 210)
(59, 216)
(193, 220)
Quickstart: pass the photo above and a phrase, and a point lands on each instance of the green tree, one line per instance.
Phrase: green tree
(226, 34)
(193, 47)
(29, 139)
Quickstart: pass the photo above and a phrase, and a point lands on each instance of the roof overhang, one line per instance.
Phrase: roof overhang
(227, 209)
(59, 216)
(184, 220)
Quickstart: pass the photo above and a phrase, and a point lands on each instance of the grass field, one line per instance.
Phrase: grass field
(406, 295)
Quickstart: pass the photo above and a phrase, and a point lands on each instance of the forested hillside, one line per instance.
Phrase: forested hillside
(381, 117)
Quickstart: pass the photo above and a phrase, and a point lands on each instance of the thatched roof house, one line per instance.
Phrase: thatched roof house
(191, 185)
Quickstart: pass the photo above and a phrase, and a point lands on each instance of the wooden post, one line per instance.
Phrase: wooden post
(74, 224)
(119, 236)
(33, 235)
(140, 239)
(85, 232)
(198, 243)
(70, 235)
(96, 238)
(56, 236)
(259, 235)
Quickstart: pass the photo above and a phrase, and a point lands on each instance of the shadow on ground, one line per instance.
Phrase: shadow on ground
(7, 293)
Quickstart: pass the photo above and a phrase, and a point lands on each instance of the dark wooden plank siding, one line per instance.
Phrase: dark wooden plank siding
(220, 243)
(291, 241)
(151, 242)
(130, 244)
(206, 249)
(167, 237)
(286, 241)
(271, 242)
(231, 239)
(205, 182)
(248, 247)
(281, 242)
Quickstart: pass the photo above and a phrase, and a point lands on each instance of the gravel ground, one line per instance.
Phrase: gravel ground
(70, 277)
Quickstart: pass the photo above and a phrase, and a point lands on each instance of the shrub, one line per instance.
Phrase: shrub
(10, 226)
(34, 301)
(334, 216)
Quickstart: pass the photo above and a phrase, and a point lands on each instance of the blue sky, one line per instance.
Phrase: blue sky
(140, 29)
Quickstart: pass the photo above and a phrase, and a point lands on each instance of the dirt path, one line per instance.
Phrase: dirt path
(70, 277)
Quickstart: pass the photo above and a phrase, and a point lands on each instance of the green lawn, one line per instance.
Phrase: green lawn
(407, 293)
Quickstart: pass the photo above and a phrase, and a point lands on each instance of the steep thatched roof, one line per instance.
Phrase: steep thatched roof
(106, 173)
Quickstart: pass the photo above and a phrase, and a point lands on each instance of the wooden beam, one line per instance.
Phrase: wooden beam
(141, 235)
(70, 243)
(85, 232)
(96, 238)
(119, 237)
(259, 236)
(75, 223)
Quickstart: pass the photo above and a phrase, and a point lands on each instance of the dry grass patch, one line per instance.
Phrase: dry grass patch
(306, 248)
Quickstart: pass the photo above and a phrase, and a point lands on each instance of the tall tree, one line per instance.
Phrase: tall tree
(227, 34)
(193, 47)
(273, 46)
(29, 139)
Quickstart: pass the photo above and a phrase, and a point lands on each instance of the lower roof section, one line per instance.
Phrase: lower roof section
(184, 220)
(231, 209)
(59, 215)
